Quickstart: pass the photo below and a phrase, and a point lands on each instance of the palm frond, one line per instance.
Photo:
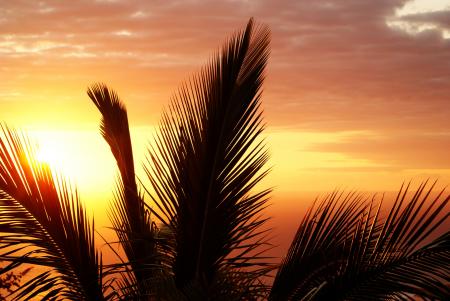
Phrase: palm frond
(42, 222)
(319, 245)
(130, 219)
(401, 261)
(373, 257)
(206, 161)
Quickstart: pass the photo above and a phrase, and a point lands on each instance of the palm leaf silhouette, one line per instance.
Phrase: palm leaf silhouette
(42, 222)
(130, 219)
(204, 169)
(206, 159)
(351, 253)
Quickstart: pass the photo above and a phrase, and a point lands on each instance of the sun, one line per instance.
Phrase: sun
(61, 152)
(51, 155)
(81, 157)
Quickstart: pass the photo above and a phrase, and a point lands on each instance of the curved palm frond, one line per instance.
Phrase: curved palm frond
(373, 258)
(131, 220)
(42, 222)
(206, 160)
(318, 246)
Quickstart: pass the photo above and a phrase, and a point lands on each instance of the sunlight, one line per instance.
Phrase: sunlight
(47, 153)
(78, 156)
(61, 151)
(84, 158)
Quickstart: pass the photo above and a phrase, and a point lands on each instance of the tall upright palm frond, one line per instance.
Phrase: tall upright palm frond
(349, 254)
(206, 160)
(130, 219)
(42, 222)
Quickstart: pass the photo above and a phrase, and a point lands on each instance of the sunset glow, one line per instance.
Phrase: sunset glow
(51, 153)
(356, 95)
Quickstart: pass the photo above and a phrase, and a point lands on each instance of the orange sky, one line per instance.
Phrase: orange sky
(357, 92)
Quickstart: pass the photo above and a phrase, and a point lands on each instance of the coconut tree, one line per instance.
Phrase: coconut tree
(198, 231)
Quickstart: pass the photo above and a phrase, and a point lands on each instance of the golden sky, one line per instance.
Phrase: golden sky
(357, 94)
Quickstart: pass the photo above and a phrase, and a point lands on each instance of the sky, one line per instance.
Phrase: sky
(356, 95)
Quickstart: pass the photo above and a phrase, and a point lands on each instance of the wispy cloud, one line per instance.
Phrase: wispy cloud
(418, 16)
(399, 150)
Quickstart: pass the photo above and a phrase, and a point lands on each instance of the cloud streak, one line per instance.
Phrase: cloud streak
(335, 65)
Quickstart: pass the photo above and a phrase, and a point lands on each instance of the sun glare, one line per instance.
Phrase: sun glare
(84, 158)
(48, 154)
(77, 156)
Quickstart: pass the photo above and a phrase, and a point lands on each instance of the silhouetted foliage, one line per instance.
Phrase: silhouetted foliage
(201, 234)
(10, 281)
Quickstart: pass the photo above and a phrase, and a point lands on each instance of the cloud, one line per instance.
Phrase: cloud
(415, 18)
(349, 69)
(335, 65)
(396, 151)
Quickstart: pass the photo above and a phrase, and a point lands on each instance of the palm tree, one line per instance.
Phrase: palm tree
(199, 232)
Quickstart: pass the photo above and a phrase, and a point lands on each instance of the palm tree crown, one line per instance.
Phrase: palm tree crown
(199, 231)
